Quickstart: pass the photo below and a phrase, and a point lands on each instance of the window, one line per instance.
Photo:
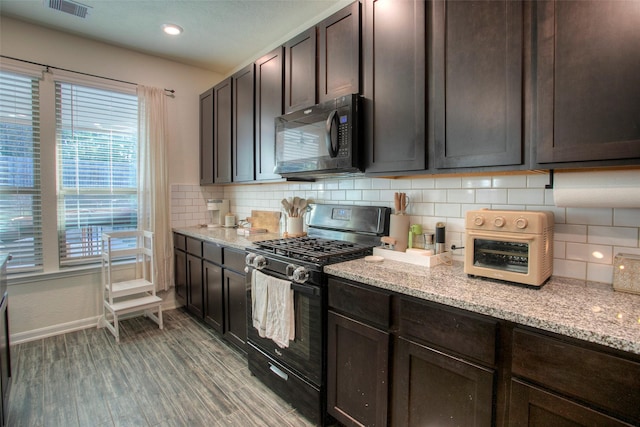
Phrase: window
(97, 145)
(20, 194)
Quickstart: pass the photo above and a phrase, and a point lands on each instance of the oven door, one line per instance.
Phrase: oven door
(506, 256)
(304, 354)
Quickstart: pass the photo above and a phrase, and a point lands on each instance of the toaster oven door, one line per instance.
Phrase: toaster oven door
(506, 256)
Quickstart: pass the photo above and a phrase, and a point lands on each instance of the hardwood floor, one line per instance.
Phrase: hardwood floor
(184, 375)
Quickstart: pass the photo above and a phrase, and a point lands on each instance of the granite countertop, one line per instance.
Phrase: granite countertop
(589, 311)
(225, 236)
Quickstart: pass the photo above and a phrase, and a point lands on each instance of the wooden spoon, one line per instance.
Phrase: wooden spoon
(296, 205)
(302, 206)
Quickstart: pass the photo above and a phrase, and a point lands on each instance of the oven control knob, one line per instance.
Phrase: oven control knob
(248, 260)
(521, 223)
(259, 262)
(300, 275)
(478, 220)
(499, 221)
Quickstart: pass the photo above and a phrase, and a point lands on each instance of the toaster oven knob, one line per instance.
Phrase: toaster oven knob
(499, 221)
(478, 220)
(300, 275)
(259, 262)
(521, 223)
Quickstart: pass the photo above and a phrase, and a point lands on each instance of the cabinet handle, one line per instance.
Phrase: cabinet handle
(279, 372)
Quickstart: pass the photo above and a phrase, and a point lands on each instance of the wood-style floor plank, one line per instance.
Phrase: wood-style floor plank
(183, 375)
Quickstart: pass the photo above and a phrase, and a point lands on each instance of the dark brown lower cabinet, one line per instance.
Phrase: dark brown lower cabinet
(195, 291)
(180, 275)
(534, 407)
(213, 294)
(434, 388)
(358, 366)
(235, 289)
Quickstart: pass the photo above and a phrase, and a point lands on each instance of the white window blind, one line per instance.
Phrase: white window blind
(20, 194)
(97, 145)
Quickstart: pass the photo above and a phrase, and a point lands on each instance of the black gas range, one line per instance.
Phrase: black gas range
(336, 233)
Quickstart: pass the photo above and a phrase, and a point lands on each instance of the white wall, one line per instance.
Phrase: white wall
(46, 304)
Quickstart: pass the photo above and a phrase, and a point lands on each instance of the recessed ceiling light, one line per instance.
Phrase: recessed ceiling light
(172, 29)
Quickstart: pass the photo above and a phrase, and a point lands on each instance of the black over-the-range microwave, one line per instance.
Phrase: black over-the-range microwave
(319, 140)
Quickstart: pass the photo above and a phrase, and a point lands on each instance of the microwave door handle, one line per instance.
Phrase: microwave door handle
(331, 135)
(501, 235)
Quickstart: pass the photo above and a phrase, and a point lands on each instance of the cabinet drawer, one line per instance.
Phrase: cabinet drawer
(234, 259)
(462, 333)
(179, 242)
(212, 252)
(194, 246)
(608, 381)
(365, 304)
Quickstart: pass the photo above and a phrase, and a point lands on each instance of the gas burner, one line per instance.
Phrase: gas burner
(316, 250)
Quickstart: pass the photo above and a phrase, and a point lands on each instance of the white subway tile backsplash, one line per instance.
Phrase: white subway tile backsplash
(600, 273)
(599, 254)
(570, 233)
(461, 196)
(590, 216)
(626, 217)
(510, 181)
(571, 269)
(525, 196)
(620, 236)
(579, 232)
(491, 195)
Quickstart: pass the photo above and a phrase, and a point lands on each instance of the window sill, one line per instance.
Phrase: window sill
(24, 278)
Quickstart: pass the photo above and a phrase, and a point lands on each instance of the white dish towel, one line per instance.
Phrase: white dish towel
(273, 308)
(259, 301)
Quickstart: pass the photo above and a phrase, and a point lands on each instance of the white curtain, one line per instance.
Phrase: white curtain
(153, 188)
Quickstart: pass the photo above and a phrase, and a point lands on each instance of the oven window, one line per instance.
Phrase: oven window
(501, 255)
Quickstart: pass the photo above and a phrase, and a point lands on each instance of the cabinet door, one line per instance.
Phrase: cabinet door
(180, 279)
(195, 292)
(269, 82)
(533, 407)
(433, 388)
(243, 124)
(357, 372)
(587, 80)
(339, 53)
(206, 137)
(300, 71)
(393, 40)
(222, 95)
(236, 303)
(213, 295)
(476, 85)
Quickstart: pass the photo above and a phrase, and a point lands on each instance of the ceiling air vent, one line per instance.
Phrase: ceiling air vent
(70, 7)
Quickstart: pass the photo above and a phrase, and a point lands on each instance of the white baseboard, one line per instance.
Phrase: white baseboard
(63, 328)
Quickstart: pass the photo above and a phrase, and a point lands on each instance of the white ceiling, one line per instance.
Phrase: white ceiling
(219, 35)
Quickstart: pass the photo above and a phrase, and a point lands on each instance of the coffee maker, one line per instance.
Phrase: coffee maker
(217, 208)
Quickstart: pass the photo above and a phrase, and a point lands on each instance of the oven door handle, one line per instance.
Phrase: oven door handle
(502, 235)
(305, 289)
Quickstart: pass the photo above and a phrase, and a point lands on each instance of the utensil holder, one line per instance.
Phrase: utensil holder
(294, 225)
(399, 230)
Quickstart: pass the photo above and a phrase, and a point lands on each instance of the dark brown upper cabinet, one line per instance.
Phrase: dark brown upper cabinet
(206, 137)
(394, 85)
(339, 53)
(222, 135)
(269, 105)
(476, 83)
(587, 82)
(300, 71)
(243, 124)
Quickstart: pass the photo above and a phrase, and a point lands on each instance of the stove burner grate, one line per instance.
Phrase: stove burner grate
(317, 250)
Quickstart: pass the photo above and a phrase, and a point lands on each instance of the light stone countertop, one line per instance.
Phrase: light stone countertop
(589, 311)
(225, 236)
